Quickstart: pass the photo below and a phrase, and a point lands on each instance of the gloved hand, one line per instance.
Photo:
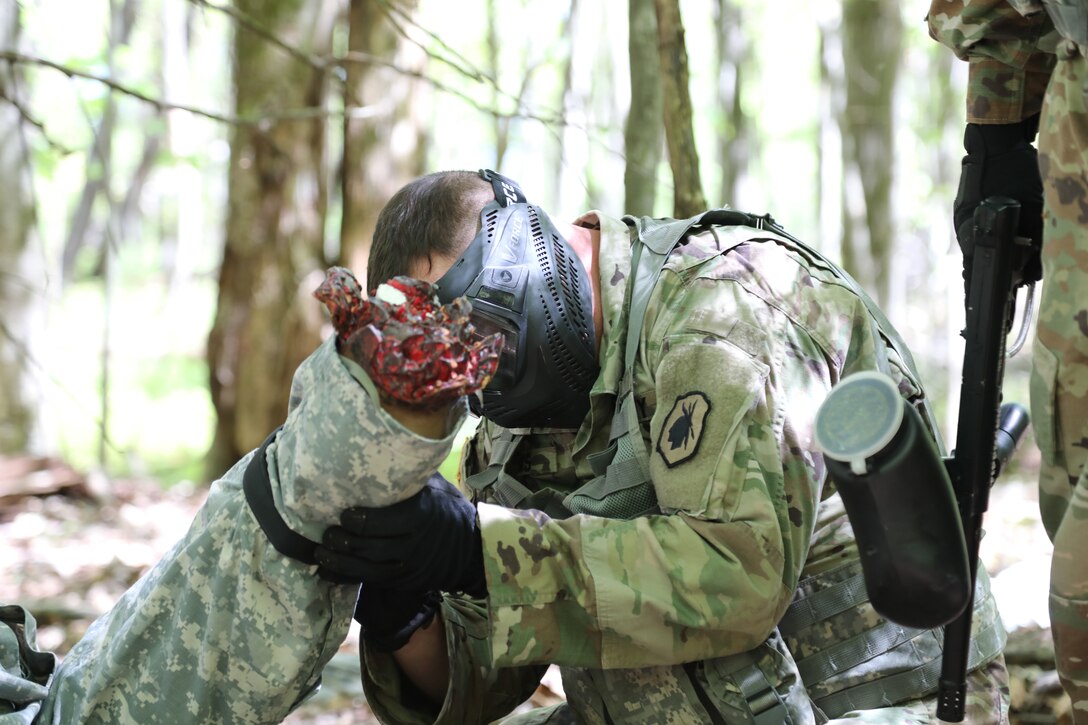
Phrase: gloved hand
(1000, 161)
(388, 617)
(430, 541)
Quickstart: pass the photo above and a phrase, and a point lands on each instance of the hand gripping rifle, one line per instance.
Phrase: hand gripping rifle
(917, 517)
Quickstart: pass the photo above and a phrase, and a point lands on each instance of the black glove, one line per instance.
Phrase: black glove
(430, 541)
(388, 618)
(1000, 161)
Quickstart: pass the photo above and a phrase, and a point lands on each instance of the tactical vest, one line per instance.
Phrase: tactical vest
(837, 671)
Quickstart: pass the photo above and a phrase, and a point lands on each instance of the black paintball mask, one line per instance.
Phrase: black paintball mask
(525, 281)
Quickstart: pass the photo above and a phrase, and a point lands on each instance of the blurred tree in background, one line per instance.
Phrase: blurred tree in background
(872, 45)
(385, 130)
(277, 200)
(178, 173)
(20, 268)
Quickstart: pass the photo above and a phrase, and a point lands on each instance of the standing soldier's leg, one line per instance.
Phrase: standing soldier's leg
(1059, 386)
(1069, 601)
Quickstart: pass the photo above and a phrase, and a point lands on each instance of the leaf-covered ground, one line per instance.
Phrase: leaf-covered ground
(71, 544)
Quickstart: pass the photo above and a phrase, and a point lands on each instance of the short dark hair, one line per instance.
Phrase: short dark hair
(435, 215)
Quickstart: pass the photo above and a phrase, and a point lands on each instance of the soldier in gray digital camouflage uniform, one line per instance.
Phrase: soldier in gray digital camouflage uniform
(1029, 67)
(226, 628)
(652, 514)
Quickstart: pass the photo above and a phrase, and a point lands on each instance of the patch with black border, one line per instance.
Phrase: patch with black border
(683, 428)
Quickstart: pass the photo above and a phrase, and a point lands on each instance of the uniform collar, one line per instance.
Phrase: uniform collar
(614, 265)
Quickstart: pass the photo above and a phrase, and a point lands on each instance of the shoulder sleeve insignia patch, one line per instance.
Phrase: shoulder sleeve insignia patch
(683, 428)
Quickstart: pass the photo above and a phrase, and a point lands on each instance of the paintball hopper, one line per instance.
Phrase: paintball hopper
(900, 501)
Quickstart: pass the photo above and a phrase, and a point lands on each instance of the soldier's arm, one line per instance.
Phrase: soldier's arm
(225, 628)
(463, 687)
(1009, 46)
(707, 577)
(444, 673)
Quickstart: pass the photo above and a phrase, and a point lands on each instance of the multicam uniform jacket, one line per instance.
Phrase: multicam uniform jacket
(669, 616)
(1012, 47)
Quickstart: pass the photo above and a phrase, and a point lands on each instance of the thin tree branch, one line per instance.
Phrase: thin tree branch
(465, 67)
(29, 118)
(263, 121)
(247, 21)
(27, 169)
(366, 58)
(266, 120)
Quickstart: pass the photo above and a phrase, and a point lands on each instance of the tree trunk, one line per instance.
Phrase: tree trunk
(871, 48)
(267, 322)
(21, 277)
(735, 138)
(564, 100)
(99, 161)
(835, 235)
(642, 137)
(688, 197)
(385, 147)
(494, 50)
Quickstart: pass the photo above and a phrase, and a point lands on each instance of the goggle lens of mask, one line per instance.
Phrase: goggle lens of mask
(486, 326)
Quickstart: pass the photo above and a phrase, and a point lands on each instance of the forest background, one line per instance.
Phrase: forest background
(176, 175)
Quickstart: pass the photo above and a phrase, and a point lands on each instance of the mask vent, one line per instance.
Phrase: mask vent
(489, 225)
(565, 362)
(560, 277)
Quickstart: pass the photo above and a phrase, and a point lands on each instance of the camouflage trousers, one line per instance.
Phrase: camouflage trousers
(1059, 382)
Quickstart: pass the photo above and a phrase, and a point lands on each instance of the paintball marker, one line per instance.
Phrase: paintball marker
(987, 431)
(918, 523)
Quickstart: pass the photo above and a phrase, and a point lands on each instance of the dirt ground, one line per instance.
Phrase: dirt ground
(70, 544)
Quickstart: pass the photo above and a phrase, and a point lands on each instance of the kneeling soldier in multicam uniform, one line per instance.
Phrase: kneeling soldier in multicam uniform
(651, 513)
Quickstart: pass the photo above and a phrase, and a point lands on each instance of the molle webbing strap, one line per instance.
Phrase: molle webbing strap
(912, 683)
(823, 604)
(763, 700)
(764, 703)
(258, 490)
(856, 650)
(508, 491)
(909, 647)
